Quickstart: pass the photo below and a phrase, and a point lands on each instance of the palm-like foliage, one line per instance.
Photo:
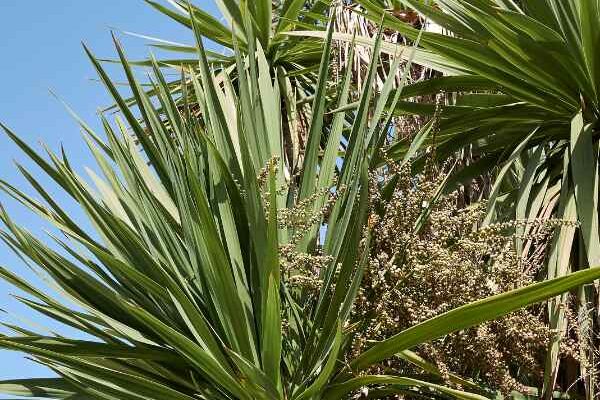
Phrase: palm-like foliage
(179, 286)
(291, 46)
(528, 97)
(293, 62)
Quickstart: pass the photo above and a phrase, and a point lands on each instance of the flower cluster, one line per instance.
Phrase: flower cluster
(298, 220)
(417, 271)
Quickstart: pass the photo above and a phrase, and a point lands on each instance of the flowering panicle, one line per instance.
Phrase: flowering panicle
(415, 274)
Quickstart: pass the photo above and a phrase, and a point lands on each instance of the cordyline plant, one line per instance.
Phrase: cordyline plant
(524, 103)
(179, 287)
(293, 62)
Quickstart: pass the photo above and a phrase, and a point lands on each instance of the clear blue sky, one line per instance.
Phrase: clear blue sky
(41, 50)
